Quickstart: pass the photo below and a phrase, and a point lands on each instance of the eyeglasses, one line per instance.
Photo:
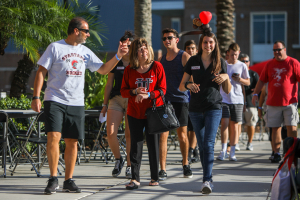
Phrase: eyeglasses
(245, 61)
(169, 38)
(277, 50)
(142, 49)
(84, 30)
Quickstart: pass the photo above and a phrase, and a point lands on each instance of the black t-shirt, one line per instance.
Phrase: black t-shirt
(118, 72)
(248, 89)
(209, 97)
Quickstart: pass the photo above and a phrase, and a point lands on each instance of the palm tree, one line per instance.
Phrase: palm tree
(143, 19)
(33, 24)
(225, 22)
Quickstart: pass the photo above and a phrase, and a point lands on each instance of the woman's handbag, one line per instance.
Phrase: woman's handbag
(161, 119)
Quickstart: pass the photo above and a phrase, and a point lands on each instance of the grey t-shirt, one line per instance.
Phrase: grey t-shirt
(236, 94)
(66, 65)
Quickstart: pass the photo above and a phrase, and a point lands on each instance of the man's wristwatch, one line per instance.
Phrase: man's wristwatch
(104, 105)
(35, 97)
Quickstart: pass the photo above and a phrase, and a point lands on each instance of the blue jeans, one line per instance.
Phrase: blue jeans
(205, 126)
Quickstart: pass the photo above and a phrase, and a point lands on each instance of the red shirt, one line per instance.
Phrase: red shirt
(282, 77)
(153, 79)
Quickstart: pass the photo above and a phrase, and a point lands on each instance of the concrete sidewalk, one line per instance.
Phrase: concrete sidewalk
(249, 178)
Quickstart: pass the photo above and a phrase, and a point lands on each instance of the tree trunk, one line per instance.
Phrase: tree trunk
(225, 22)
(21, 76)
(143, 19)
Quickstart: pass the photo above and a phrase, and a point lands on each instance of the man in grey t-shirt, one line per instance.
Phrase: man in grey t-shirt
(65, 62)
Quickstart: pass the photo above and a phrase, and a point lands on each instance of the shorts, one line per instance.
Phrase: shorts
(118, 103)
(68, 120)
(181, 112)
(276, 115)
(190, 125)
(233, 111)
(250, 116)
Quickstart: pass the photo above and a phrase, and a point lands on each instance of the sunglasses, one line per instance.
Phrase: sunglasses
(84, 30)
(169, 38)
(244, 61)
(277, 50)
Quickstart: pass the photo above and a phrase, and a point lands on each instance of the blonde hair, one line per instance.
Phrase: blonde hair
(133, 52)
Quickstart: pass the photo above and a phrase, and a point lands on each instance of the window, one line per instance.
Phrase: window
(175, 23)
(267, 28)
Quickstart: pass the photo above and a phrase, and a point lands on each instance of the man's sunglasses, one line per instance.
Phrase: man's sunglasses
(169, 38)
(277, 50)
(84, 30)
(245, 61)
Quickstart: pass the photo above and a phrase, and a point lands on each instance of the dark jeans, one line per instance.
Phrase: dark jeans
(205, 126)
(136, 127)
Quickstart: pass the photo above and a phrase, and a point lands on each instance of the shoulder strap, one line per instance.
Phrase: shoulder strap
(162, 96)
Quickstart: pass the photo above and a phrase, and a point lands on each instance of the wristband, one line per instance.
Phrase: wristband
(35, 97)
(104, 105)
(255, 94)
(136, 91)
(117, 57)
(148, 95)
(185, 85)
(260, 108)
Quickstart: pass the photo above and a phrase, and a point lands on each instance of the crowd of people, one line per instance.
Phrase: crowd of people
(205, 90)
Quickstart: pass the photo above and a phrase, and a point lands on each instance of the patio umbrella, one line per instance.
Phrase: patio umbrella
(258, 67)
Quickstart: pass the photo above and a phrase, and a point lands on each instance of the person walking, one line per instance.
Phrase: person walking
(116, 110)
(173, 62)
(209, 72)
(141, 81)
(65, 61)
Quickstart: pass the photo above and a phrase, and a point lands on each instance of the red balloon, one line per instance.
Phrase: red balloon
(205, 17)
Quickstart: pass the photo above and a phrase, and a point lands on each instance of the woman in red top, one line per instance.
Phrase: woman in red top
(141, 81)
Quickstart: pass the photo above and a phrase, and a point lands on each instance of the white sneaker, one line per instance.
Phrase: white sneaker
(233, 158)
(237, 147)
(207, 187)
(249, 147)
(222, 156)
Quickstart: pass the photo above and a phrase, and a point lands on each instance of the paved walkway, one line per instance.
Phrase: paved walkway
(249, 178)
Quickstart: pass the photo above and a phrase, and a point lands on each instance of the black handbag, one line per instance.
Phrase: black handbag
(161, 119)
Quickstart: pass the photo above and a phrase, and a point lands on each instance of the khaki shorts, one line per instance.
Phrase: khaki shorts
(288, 115)
(118, 103)
(250, 116)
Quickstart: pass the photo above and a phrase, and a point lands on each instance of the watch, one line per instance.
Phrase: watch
(35, 97)
(104, 105)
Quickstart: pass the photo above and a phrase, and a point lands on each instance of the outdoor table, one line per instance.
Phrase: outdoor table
(16, 113)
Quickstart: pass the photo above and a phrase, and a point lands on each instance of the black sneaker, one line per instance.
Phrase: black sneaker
(191, 152)
(118, 167)
(276, 159)
(196, 155)
(187, 172)
(162, 175)
(52, 186)
(70, 186)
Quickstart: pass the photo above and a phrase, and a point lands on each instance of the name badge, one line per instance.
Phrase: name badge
(195, 67)
(120, 68)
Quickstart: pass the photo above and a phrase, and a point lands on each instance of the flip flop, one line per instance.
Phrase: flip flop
(154, 183)
(132, 186)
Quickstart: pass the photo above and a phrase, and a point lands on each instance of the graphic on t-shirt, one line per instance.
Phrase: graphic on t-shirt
(277, 75)
(140, 82)
(75, 66)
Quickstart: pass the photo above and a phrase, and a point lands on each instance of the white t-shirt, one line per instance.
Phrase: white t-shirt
(236, 94)
(66, 65)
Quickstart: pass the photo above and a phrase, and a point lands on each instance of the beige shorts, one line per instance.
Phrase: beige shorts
(288, 115)
(250, 116)
(118, 103)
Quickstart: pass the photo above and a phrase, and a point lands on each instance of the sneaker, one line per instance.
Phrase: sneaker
(162, 175)
(70, 186)
(237, 147)
(52, 186)
(191, 151)
(118, 167)
(207, 187)
(187, 172)
(233, 158)
(222, 156)
(276, 159)
(272, 156)
(128, 172)
(249, 147)
(196, 155)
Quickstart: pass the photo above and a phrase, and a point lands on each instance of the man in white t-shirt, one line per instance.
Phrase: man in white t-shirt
(233, 103)
(65, 61)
